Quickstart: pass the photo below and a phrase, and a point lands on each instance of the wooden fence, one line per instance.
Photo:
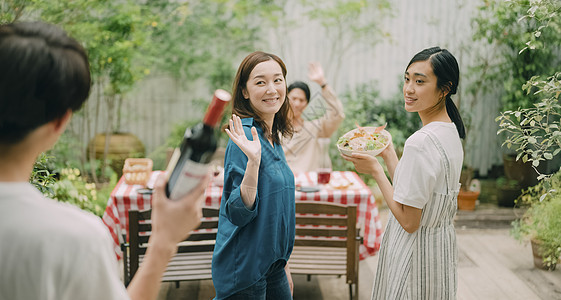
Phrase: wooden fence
(159, 102)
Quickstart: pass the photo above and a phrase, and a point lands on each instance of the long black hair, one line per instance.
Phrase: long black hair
(447, 71)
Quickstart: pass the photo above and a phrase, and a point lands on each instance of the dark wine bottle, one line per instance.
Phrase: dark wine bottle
(190, 164)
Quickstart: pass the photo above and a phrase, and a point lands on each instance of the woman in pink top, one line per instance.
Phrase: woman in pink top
(303, 151)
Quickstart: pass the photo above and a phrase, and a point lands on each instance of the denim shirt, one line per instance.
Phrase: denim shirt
(249, 240)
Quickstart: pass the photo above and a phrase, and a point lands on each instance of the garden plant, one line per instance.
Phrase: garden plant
(533, 129)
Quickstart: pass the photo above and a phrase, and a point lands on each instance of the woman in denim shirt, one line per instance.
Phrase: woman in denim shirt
(256, 226)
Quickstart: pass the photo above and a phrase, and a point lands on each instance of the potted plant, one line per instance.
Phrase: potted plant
(469, 189)
(467, 199)
(534, 132)
(532, 129)
(523, 35)
(541, 225)
(518, 170)
(509, 190)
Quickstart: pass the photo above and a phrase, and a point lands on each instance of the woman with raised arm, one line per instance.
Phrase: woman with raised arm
(256, 225)
(418, 255)
(303, 150)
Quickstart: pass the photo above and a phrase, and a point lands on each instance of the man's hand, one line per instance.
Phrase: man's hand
(172, 221)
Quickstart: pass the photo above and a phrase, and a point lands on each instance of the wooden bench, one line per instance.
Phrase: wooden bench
(194, 255)
(327, 242)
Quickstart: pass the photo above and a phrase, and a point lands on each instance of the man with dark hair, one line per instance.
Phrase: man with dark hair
(49, 250)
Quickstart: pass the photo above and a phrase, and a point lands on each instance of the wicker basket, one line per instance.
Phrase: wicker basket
(137, 170)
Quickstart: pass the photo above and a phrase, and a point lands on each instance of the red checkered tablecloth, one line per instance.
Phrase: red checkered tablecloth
(125, 197)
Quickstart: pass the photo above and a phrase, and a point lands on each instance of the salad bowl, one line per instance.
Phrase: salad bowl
(365, 140)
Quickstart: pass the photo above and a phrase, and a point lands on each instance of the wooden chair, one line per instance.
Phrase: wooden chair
(327, 242)
(194, 255)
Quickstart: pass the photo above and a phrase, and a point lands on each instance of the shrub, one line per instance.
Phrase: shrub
(541, 222)
(42, 177)
(545, 190)
(72, 188)
(68, 186)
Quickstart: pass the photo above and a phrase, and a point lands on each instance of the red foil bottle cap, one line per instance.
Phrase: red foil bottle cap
(216, 107)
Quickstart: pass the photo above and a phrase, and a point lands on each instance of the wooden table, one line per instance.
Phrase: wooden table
(125, 197)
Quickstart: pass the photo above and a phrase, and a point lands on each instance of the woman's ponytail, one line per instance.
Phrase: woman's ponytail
(454, 115)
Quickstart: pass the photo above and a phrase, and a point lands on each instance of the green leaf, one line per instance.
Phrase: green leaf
(548, 155)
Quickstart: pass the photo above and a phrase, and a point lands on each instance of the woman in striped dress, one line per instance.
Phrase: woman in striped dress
(418, 256)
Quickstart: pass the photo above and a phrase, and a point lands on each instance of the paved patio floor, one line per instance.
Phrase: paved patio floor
(492, 265)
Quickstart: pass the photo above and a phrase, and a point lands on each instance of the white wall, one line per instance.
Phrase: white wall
(158, 102)
(415, 25)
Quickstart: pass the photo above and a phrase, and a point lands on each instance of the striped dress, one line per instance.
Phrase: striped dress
(423, 264)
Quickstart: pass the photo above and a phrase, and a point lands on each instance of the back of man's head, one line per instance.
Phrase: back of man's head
(43, 73)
